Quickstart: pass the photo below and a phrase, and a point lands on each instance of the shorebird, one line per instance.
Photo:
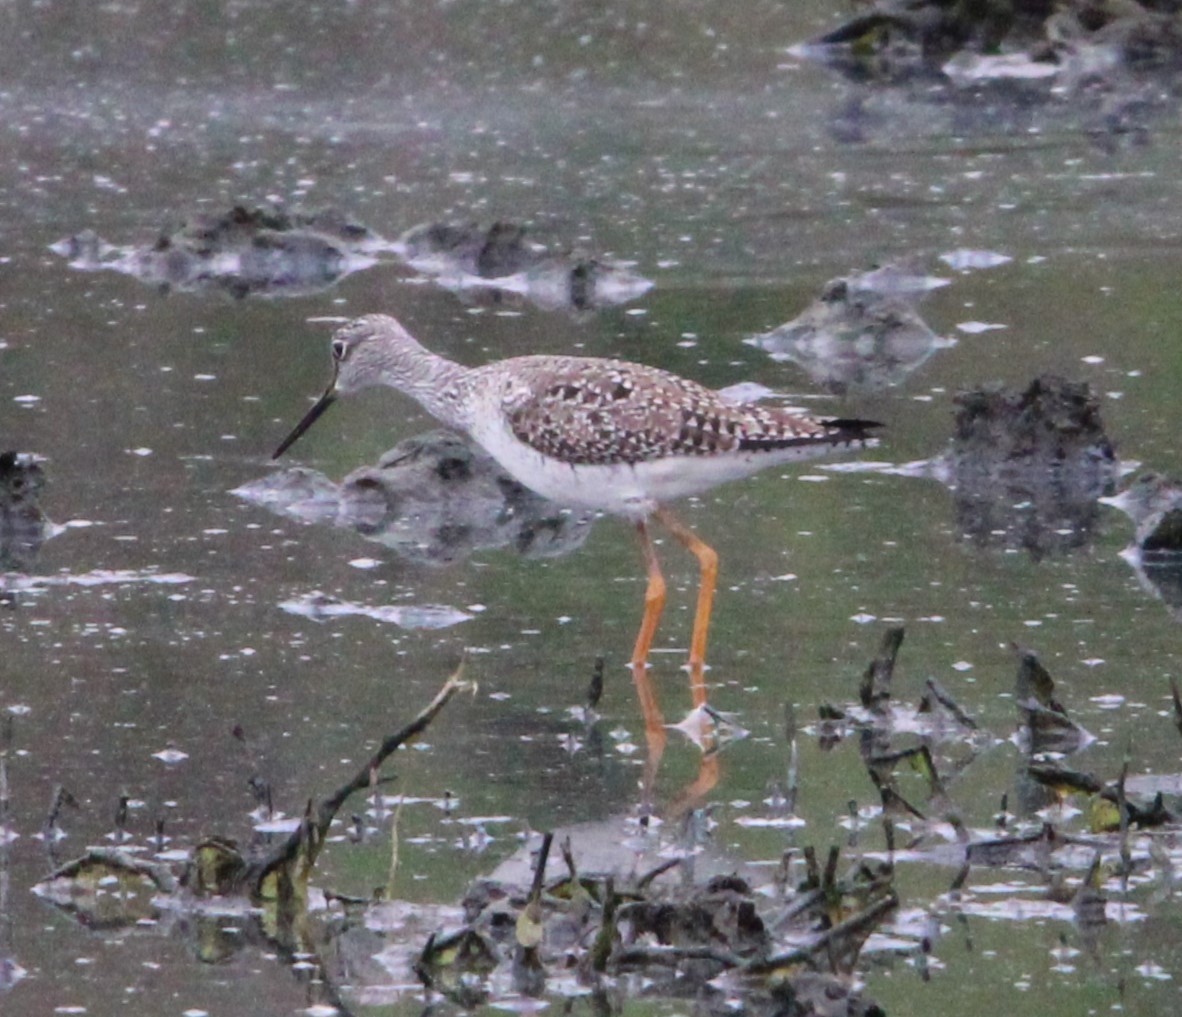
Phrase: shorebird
(610, 435)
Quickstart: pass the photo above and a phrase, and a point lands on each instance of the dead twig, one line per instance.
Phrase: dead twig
(595, 686)
(875, 692)
(1177, 697)
(671, 956)
(855, 927)
(304, 842)
(644, 881)
(941, 696)
(1126, 855)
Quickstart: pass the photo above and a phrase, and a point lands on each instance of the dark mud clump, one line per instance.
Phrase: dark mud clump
(1029, 466)
(23, 525)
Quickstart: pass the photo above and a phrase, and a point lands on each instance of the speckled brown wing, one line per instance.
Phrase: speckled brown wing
(604, 412)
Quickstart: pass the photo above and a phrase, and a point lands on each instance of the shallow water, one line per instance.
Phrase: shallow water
(737, 178)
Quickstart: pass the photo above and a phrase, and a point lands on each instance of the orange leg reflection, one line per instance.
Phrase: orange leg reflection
(654, 603)
(694, 793)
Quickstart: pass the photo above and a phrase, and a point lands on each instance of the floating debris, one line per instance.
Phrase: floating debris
(100, 577)
(964, 259)
(108, 887)
(676, 927)
(1027, 469)
(298, 492)
(217, 867)
(467, 249)
(863, 332)
(970, 44)
(320, 607)
(268, 251)
(668, 920)
(499, 261)
(664, 905)
(902, 41)
(937, 834)
(24, 527)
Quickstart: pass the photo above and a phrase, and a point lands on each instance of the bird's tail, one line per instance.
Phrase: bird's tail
(852, 428)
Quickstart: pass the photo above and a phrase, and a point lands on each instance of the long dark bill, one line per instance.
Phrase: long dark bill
(321, 404)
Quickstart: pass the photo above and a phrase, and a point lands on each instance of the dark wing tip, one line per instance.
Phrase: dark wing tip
(852, 426)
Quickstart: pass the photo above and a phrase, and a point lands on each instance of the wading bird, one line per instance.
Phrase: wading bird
(619, 437)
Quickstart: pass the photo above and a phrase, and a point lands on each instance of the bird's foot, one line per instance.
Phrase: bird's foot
(709, 729)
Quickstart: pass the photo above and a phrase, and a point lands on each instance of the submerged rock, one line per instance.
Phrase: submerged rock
(863, 332)
(499, 262)
(432, 499)
(1028, 467)
(266, 251)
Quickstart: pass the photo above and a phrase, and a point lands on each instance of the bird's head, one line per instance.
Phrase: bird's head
(367, 351)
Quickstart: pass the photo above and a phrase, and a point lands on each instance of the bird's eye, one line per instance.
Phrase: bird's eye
(339, 349)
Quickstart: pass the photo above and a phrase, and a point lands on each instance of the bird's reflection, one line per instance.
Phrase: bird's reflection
(433, 499)
(702, 726)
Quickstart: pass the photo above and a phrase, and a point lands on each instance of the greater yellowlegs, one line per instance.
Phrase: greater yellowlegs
(595, 433)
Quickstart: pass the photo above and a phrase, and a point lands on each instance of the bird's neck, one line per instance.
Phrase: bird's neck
(435, 382)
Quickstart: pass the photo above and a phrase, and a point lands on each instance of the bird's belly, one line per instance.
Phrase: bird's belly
(618, 488)
(625, 489)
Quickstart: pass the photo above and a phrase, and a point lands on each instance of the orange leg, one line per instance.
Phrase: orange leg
(708, 563)
(654, 604)
(654, 599)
